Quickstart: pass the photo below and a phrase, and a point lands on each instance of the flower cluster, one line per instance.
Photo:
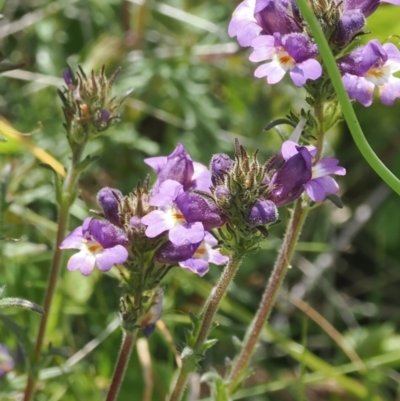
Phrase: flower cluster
(190, 210)
(279, 35)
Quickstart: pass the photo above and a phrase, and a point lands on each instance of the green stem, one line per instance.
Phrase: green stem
(122, 363)
(205, 321)
(68, 196)
(268, 299)
(344, 100)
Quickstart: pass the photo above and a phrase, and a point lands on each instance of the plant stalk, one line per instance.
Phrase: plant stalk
(122, 363)
(351, 119)
(282, 263)
(205, 321)
(68, 196)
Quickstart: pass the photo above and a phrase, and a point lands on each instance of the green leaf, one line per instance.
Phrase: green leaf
(86, 163)
(57, 181)
(21, 303)
(208, 344)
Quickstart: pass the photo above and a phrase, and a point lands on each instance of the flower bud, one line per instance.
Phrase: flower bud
(220, 163)
(263, 212)
(108, 199)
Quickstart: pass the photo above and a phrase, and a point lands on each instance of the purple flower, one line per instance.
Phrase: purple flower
(367, 7)
(243, 24)
(196, 208)
(321, 183)
(194, 257)
(263, 212)
(369, 66)
(294, 53)
(278, 16)
(100, 243)
(169, 217)
(298, 174)
(108, 200)
(179, 166)
(7, 363)
(267, 17)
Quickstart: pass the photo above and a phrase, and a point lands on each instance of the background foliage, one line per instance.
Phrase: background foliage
(192, 85)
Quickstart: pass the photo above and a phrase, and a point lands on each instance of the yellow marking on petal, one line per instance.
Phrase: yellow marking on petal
(375, 72)
(285, 59)
(93, 248)
(200, 251)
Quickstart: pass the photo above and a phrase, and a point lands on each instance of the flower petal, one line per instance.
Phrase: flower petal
(109, 257)
(189, 232)
(83, 260)
(73, 240)
(157, 222)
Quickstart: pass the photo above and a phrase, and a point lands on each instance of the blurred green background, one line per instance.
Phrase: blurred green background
(194, 85)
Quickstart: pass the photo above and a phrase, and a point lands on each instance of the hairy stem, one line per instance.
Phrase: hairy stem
(205, 321)
(268, 299)
(120, 367)
(68, 196)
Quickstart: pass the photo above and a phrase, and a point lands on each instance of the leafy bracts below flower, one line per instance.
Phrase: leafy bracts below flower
(369, 66)
(100, 243)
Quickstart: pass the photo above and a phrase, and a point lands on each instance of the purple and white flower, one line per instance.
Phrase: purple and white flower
(252, 18)
(370, 66)
(99, 242)
(298, 174)
(293, 53)
(169, 218)
(180, 167)
(193, 257)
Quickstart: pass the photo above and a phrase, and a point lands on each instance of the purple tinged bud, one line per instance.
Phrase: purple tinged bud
(263, 212)
(103, 117)
(171, 254)
(220, 163)
(196, 208)
(108, 200)
(351, 23)
(287, 183)
(67, 77)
